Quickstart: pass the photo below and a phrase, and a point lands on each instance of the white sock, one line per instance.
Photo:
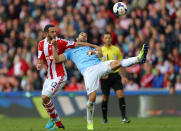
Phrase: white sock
(129, 62)
(90, 111)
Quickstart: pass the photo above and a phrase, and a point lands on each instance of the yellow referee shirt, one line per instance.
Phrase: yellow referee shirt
(111, 53)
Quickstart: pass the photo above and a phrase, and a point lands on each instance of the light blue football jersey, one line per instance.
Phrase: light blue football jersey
(79, 56)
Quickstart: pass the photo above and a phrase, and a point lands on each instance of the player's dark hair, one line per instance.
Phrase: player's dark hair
(107, 33)
(47, 27)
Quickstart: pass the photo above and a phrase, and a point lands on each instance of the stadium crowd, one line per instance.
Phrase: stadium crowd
(22, 22)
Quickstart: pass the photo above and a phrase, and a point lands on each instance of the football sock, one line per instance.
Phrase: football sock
(58, 123)
(122, 106)
(52, 111)
(90, 111)
(129, 62)
(104, 109)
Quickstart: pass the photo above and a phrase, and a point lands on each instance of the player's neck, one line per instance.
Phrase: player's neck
(107, 45)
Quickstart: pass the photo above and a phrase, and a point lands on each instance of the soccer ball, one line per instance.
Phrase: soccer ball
(120, 8)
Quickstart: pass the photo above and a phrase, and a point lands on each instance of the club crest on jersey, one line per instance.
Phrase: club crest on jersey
(114, 57)
(104, 58)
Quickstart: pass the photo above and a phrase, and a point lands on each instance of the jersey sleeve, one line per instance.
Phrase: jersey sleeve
(67, 44)
(67, 54)
(41, 55)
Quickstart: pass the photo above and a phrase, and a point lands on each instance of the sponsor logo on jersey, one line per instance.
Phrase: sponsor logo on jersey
(49, 57)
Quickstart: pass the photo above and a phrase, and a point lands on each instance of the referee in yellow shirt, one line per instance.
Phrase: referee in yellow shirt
(112, 80)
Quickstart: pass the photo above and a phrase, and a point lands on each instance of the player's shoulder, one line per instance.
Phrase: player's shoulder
(115, 48)
(103, 47)
(62, 40)
(42, 42)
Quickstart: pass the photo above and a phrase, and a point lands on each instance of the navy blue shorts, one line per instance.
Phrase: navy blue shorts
(113, 81)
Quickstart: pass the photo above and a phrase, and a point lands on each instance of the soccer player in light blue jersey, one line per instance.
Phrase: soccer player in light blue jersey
(92, 68)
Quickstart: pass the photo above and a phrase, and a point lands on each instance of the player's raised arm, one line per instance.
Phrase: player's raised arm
(41, 55)
(60, 58)
(57, 58)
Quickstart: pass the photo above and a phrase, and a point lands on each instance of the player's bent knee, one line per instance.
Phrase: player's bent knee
(115, 65)
(45, 99)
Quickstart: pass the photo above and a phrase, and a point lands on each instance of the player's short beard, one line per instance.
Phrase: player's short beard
(50, 38)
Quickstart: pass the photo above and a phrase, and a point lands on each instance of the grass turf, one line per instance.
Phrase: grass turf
(79, 124)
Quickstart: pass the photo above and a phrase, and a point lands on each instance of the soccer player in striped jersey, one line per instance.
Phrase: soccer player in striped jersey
(92, 68)
(56, 73)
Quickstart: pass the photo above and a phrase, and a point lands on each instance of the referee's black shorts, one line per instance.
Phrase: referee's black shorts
(113, 81)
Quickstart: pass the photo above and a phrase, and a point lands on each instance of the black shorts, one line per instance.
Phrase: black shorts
(113, 81)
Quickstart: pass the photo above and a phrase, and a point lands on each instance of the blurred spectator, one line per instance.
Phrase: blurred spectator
(147, 78)
(158, 79)
(74, 85)
(176, 57)
(162, 65)
(27, 82)
(178, 83)
(131, 85)
(173, 70)
(21, 24)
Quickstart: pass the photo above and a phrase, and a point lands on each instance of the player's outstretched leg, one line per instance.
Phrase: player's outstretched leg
(140, 59)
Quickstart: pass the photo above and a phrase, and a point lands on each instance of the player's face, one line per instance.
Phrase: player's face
(51, 33)
(82, 37)
(107, 39)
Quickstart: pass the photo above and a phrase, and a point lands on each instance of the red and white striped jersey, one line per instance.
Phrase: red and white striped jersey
(45, 52)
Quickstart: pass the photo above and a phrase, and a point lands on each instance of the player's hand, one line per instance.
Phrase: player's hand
(54, 42)
(38, 66)
(124, 80)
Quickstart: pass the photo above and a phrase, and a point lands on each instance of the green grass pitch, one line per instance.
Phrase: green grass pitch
(79, 124)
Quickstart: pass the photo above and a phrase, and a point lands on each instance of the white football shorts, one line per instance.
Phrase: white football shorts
(53, 86)
(93, 74)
